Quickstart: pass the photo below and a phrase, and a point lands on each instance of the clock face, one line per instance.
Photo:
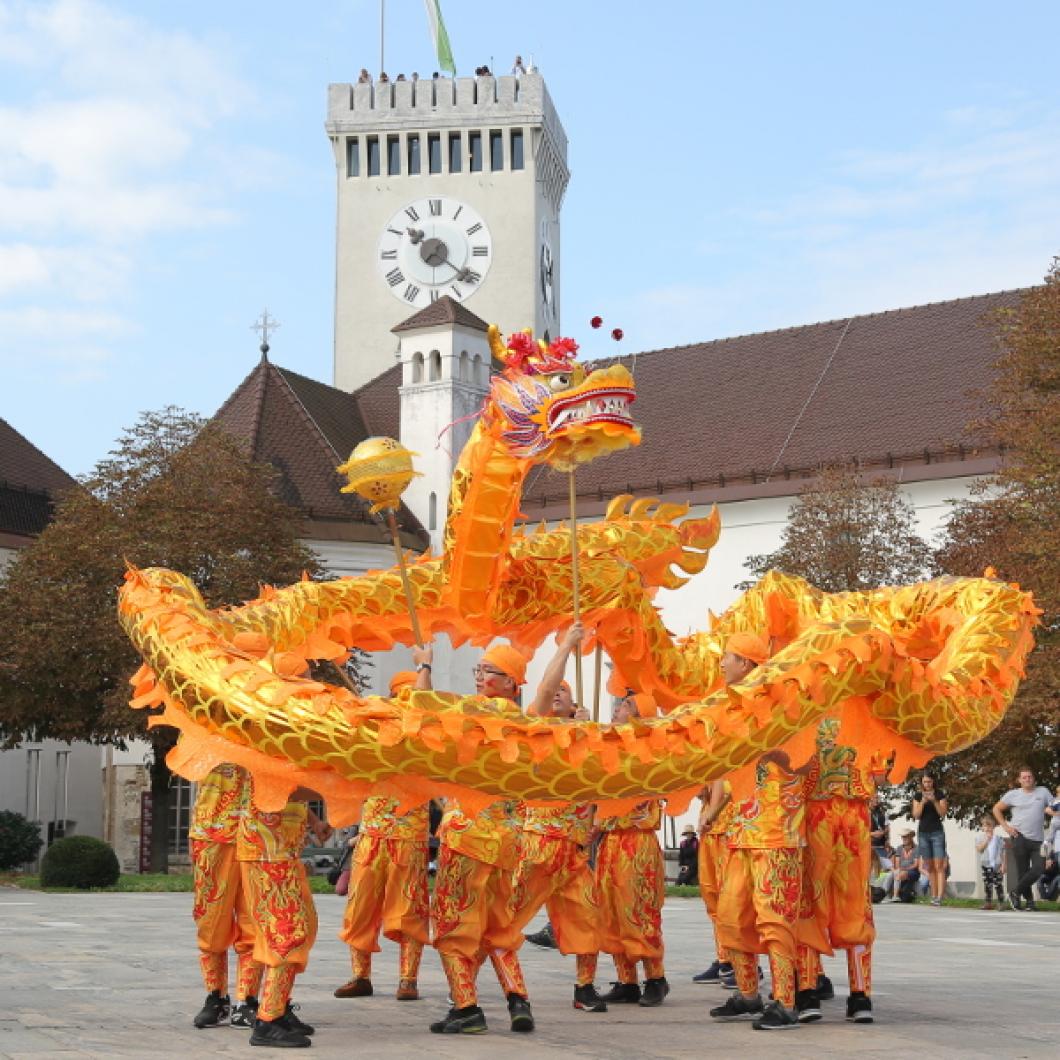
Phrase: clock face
(433, 247)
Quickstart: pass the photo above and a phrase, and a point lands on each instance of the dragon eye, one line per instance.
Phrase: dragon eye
(559, 382)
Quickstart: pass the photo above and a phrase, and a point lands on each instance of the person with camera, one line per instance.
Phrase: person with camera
(930, 806)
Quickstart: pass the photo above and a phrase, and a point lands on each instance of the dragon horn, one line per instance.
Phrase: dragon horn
(498, 347)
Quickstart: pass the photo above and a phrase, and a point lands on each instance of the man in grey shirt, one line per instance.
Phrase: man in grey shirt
(1027, 805)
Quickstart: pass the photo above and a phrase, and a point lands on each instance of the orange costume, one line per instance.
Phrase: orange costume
(759, 903)
(837, 909)
(554, 871)
(221, 911)
(472, 893)
(388, 888)
(268, 849)
(630, 877)
(713, 857)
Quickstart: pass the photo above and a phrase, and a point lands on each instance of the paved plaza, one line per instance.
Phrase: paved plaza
(115, 975)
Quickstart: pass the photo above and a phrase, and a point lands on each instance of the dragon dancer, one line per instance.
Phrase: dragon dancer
(714, 820)
(553, 867)
(759, 902)
(836, 908)
(388, 876)
(477, 855)
(631, 880)
(222, 915)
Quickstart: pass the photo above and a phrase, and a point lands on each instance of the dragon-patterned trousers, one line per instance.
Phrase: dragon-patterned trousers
(713, 857)
(630, 878)
(388, 890)
(757, 913)
(285, 925)
(470, 912)
(836, 908)
(222, 919)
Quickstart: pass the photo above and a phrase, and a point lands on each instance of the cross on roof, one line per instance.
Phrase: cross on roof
(264, 325)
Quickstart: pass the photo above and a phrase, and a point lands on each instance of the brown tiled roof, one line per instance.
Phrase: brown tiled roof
(444, 311)
(304, 429)
(885, 388)
(379, 403)
(30, 483)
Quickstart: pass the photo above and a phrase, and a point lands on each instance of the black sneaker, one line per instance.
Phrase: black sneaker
(519, 1010)
(545, 938)
(245, 1012)
(859, 1008)
(776, 1018)
(588, 1000)
(738, 1007)
(1031, 906)
(1014, 901)
(713, 974)
(623, 994)
(654, 992)
(807, 1006)
(278, 1034)
(214, 1011)
(824, 989)
(295, 1023)
(469, 1020)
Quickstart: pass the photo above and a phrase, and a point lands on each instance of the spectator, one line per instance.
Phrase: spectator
(988, 845)
(365, 77)
(881, 876)
(878, 829)
(906, 872)
(688, 857)
(517, 67)
(1027, 807)
(929, 808)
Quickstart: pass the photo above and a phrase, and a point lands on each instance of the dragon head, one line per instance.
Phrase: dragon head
(546, 406)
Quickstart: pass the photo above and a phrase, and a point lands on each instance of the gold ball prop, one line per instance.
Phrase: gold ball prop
(379, 470)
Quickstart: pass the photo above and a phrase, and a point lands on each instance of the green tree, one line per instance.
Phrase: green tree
(845, 534)
(175, 492)
(1012, 523)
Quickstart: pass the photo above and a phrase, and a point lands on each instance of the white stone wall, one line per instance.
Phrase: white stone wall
(520, 207)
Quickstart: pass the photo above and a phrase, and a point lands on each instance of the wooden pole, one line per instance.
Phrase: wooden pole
(599, 668)
(392, 523)
(575, 587)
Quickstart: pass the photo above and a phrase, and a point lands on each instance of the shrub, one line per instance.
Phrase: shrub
(19, 840)
(79, 861)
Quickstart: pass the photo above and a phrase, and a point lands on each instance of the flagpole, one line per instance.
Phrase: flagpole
(382, 22)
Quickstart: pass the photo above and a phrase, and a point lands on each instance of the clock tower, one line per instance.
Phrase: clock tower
(445, 187)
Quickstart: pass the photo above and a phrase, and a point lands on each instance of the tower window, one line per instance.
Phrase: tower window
(434, 150)
(417, 367)
(454, 152)
(432, 512)
(496, 150)
(436, 367)
(372, 143)
(517, 149)
(465, 367)
(474, 149)
(414, 154)
(393, 156)
(353, 157)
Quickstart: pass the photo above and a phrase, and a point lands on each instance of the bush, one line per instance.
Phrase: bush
(19, 840)
(79, 861)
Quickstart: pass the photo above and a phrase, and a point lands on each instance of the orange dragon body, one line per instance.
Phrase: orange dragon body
(911, 671)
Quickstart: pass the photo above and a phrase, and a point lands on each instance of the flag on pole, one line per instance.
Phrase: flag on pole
(440, 36)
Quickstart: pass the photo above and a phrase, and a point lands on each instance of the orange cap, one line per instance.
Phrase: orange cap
(401, 680)
(749, 645)
(508, 660)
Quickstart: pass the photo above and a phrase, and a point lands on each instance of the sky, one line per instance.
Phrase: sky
(736, 167)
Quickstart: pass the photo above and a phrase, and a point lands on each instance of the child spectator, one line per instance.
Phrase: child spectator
(988, 845)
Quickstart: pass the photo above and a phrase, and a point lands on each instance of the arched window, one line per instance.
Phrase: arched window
(478, 376)
(465, 366)
(432, 512)
(417, 367)
(436, 367)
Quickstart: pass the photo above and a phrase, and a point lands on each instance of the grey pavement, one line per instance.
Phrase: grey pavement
(116, 975)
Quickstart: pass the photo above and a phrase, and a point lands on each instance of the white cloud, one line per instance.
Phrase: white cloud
(61, 326)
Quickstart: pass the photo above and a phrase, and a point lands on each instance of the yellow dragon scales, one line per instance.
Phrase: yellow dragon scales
(911, 671)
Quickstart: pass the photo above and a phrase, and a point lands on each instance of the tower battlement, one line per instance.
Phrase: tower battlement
(443, 101)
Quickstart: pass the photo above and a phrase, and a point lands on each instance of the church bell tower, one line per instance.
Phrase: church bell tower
(445, 187)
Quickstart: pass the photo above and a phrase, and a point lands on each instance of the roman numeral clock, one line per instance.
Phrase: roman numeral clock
(432, 247)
